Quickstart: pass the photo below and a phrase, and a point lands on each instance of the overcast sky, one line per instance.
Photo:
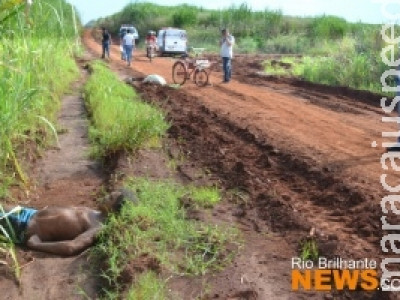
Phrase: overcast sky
(367, 11)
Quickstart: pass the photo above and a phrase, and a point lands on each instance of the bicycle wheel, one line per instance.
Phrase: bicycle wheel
(179, 73)
(201, 77)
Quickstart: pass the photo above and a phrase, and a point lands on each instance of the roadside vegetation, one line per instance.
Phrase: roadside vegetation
(36, 67)
(119, 120)
(37, 45)
(147, 241)
(154, 239)
(328, 43)
(8, 239)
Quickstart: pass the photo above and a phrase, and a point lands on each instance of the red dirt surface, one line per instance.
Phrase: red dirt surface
(300, 153)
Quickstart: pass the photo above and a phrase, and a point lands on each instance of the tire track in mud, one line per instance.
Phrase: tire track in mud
(293, 188)
(313, 194)
(292, 194)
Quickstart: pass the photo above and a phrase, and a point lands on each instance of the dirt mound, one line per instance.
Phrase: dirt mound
(247, 162)
(138, 266)
(292, 157)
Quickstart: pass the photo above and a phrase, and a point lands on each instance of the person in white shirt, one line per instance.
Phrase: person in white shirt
(128, 44)
(227, 41)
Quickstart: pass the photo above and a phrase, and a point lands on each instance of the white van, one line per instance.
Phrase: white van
(172, 41)
(124, 28)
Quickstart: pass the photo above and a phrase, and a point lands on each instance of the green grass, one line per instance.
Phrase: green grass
(158, 227)
(287, 66)
(338, 52)
(149, 286)
(336, 65)
(8, 239)
(206, 197)
(36, 68)
(119, 120)
(309, 249)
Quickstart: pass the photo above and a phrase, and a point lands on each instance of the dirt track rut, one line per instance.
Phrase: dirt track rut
(302, 155)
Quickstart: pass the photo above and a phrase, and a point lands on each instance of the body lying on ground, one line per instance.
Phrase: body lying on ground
(60, 230)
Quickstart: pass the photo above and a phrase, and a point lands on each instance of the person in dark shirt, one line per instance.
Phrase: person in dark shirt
(106, 41)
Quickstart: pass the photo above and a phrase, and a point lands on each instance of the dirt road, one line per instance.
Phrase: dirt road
(301, 153)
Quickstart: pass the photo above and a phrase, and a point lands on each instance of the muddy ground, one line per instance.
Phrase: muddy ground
(289, 156)
(300, 153)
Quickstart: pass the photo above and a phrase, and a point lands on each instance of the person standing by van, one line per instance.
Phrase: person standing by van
(128, 44)
(227, 41)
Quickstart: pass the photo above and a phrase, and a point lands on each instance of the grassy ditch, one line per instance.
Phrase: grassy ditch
(153, 239)
(119, 120)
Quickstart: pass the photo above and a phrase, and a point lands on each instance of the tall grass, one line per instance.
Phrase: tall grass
(119, 120)
(158, 227)
(149, 286)
(8, 239)
(36, 68)
(338, 64)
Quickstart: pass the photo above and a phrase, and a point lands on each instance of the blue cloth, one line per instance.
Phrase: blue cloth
(19, 221)
(227, 67)
(106, 49)
(128, 49)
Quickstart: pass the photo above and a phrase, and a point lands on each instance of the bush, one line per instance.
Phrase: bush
(361, 69)
(247, 45)
(328, 27)
(286, 44)
(119, 120)
(31, 62)
(185, 16)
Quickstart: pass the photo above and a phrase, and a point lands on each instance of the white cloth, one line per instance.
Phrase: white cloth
(129, 39)
(227, 50)
(157, 79)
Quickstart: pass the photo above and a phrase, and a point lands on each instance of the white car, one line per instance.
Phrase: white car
(172, 41)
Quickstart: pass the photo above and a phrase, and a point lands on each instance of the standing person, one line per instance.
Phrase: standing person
(227, 41)
(106, 41)
(151, 43)
(121, 37)
(128, 44)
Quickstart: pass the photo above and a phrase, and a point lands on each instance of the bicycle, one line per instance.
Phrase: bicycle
(185, 67)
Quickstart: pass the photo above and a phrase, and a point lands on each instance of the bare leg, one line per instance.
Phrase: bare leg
(67, 248)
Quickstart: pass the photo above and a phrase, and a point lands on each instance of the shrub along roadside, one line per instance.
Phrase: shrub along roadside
(119, 120)
(155, 233)
(36, 69)
(157, 230)
(338, 64)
